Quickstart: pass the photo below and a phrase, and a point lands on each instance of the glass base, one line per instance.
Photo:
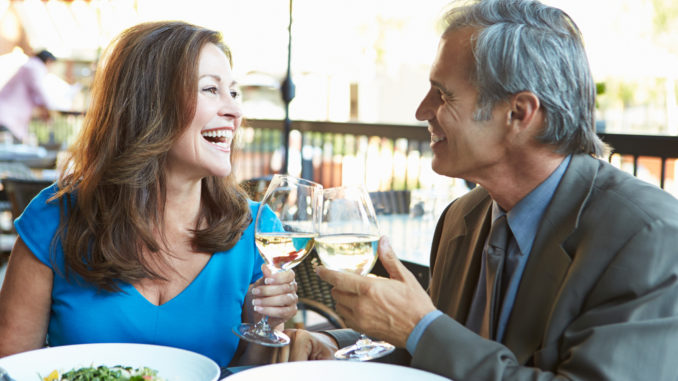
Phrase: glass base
(255, 334)
(364, 350)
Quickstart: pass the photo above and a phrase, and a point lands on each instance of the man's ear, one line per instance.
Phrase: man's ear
(524, 108)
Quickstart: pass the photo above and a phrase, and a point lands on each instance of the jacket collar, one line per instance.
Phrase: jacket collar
(549, 261)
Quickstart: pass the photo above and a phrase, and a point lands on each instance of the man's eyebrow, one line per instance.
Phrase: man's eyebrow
(441, 87)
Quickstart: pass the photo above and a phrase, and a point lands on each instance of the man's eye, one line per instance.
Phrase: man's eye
(441, 95)
(211, 90)
(445, 96)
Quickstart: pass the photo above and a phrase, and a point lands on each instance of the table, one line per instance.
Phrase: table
(32, 157)
(410, 236)
(332, 370)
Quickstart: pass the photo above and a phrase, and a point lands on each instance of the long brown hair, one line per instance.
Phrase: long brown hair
(143, 97)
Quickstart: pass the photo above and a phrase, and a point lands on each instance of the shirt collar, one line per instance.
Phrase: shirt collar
(524, 218)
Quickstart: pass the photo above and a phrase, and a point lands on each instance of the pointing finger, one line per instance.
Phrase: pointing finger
(343, 281)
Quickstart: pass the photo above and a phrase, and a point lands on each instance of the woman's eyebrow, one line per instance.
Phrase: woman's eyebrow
(218, 79)
(214, 76)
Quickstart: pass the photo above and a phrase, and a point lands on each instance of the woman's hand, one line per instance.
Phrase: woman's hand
(275, 295)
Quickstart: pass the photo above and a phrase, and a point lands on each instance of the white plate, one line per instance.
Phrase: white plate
(333, 371)
(172, 364)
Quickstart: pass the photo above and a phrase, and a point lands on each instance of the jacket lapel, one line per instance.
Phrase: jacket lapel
(455, 260)
(549, 261)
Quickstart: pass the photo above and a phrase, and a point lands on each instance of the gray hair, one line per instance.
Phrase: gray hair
(524, 45)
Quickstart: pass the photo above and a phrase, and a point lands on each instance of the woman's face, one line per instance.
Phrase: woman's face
(204, 148)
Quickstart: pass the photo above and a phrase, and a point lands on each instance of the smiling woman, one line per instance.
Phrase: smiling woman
(204, 148)
(147, 239)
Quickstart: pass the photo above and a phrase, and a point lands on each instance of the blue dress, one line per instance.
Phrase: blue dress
(199, 319)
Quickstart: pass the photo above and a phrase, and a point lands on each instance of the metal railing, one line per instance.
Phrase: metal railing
(384, 156)
(654, 153)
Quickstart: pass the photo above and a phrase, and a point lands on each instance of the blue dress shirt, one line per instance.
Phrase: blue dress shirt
(523, 221)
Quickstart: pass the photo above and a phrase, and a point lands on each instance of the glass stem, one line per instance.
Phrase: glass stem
(262, 327)
(363, 341)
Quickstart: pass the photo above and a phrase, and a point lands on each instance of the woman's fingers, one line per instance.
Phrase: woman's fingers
(262, 291)
(282, 314)
(271, 277)
(276, 301)
(276, 295)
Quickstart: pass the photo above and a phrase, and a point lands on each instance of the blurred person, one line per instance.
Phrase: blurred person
(25, 93)
(583, 282)
(147, 238)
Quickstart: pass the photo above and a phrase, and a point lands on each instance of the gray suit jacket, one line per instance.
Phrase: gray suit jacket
(599, 296)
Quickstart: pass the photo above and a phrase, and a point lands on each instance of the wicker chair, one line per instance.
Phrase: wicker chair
(256, 187)
(21, 191)
(314, 293)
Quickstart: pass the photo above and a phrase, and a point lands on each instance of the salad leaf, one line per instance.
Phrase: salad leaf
(105, 373)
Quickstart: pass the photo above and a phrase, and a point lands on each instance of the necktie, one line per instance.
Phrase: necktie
(496, 253)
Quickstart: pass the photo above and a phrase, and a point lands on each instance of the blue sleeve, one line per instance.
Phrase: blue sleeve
(419, 329)
(38, 224)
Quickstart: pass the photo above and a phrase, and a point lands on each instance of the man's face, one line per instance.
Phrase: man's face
(462, 147)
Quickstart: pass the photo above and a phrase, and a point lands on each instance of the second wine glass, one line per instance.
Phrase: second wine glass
(285, 230)
(347, 241)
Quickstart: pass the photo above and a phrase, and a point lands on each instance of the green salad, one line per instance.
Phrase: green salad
(105, 373)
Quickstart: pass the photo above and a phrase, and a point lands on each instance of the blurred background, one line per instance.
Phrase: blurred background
(353, 60)
(360, 68)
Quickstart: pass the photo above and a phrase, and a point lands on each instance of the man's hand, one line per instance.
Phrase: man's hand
(307, 345)
(387, 309)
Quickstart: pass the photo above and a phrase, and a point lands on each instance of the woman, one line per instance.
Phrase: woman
(147, 238)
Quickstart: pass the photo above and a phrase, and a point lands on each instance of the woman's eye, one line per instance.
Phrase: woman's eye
(211, 90)
(235, 94)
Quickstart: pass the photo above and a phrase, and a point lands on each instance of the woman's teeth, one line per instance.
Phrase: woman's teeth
(221, 137)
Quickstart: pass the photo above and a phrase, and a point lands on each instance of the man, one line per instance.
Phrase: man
(583, 283)
(24, 92)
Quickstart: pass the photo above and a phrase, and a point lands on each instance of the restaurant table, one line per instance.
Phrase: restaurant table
(333, 370)
(410, 236)
(31, 156)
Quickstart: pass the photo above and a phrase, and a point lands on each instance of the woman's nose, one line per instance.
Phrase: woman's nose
(231, 107)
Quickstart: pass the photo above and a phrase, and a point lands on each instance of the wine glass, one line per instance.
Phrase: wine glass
(347, 241)
(285, 229)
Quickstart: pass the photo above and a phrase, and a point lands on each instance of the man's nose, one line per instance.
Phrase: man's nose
(424, 111)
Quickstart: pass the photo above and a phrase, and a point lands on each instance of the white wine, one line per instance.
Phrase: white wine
(284, 250)
(356, 253)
